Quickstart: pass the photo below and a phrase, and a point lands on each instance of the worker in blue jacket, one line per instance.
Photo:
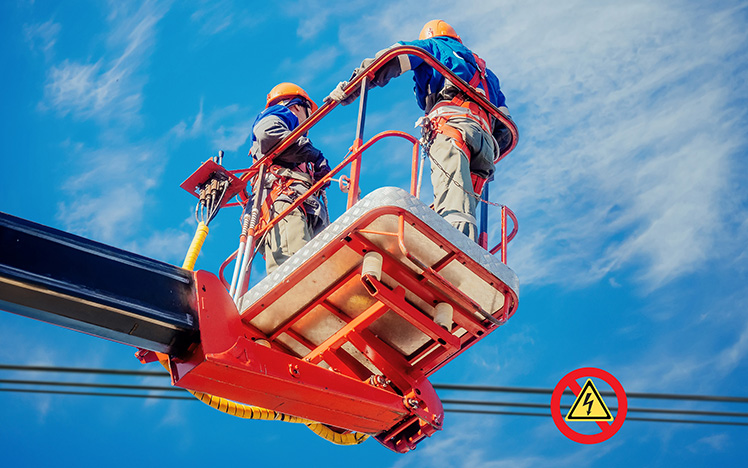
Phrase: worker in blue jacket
(464, 140)
(291, 173)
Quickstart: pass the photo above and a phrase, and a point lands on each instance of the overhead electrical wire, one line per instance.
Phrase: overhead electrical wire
(450, 402)
(108, 394)
(519, 413)
(468, 388)
(612, 408)
(83, 370)
(447, 410)
(444, 401)
(544, 391)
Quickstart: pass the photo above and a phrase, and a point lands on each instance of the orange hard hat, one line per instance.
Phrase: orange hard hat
(285, 91)
(435, 28)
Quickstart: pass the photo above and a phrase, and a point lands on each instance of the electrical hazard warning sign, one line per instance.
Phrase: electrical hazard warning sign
(589, 406)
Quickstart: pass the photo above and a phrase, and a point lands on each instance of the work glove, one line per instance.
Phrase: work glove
(365, 64)
(338, 94)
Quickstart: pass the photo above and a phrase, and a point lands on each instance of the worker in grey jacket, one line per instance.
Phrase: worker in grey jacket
(290, 175)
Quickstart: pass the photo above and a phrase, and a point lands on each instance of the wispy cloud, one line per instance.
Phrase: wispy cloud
(464, 445)
(168, 245)
(620, 167)
(694, 352)
(42, 37)
(108, 88)
(316, 64)
(630, 128)
(214, 17)
(316, 15)
(109, 194)
(228, 127)
(712, 443)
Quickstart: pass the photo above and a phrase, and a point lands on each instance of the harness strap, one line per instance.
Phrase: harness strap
(458, 140)
(283, 184)
(282, 172)
(478, 183)
(480, 75)
(456, 136)
(458, 107)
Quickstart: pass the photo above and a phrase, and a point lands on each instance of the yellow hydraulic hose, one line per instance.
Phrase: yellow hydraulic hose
(253, 412)
(195, 246)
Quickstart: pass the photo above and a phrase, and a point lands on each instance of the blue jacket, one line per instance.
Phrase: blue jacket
(455, 56)
(282, 112)
(274, 124)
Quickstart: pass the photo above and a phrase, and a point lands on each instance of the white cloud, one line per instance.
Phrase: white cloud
(306, 71)
(169, 245)
(42, 37)
(630, 128)
(463, 444)
(315, 15)
(182, 130)
(692, 357)
(712, 443)
(107, 198)
(174, 416)
(109, 88)
(228, 127)
(215, 17)
(616, 144)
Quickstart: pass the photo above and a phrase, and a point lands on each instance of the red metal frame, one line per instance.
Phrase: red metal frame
(355, 152)
(353, 156)
(396, 403)
(321, 112)
(400, 406)
(505, 239)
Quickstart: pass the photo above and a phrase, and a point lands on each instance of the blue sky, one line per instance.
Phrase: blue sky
(629, 182)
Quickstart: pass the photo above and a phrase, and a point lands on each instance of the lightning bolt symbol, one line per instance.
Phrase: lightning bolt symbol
(588, 402)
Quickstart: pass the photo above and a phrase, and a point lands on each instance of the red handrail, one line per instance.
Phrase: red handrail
(357, 149)
(350, 157)
(369, 74)
(505, 239)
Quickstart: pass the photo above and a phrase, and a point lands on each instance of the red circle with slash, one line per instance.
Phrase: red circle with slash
(570, 380)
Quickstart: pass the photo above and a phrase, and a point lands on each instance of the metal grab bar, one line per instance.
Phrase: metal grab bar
(505, 239)
(369, 72)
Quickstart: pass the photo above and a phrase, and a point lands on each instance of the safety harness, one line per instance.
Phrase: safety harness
(282, 181)
(458, 106)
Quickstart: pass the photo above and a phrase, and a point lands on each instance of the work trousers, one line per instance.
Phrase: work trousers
(451, 202)
(287, 237)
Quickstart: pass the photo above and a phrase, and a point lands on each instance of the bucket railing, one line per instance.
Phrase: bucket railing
(356, 151)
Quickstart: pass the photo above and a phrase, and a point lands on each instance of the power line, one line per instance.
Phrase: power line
(468, 388)
(544, 391)
(83, 370)
(447, 410)
(685, 421)
(446, 401)
(65, 392)
(612, 408)
(92, 385)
